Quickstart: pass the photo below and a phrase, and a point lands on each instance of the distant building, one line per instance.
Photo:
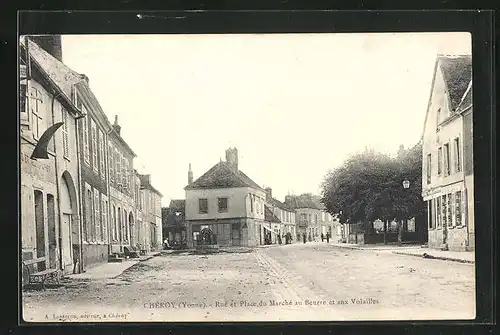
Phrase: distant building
(447, 172)
(312, 218)
(279, 218)
(228, 202)
(151, 214)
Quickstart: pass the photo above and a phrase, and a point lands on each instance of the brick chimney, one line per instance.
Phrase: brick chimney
(232, 158)
(269, 193)
(50, 43)
(116, 126)
(190, 175)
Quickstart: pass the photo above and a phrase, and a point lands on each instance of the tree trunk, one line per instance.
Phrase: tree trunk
(400, 231)
(385, 232)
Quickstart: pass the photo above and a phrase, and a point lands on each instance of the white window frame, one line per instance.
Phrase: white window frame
(86, 143)
(65, 132)
(97, 217)
(37, 123)
(102, 157)
(93, 131)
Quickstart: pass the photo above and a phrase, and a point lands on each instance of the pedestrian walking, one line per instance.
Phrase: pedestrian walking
(304, 237)
(328, 237)
(322, 237)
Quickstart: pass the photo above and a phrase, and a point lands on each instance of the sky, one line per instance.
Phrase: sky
(294, 105)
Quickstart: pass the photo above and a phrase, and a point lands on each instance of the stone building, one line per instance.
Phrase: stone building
(280, 220)
(311, 217)
(151, 214)
(228, 203)
(49, 197)
(121, 189)
(94, 169)
(447, 172)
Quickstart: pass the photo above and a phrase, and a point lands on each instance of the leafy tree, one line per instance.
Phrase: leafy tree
(368, 186)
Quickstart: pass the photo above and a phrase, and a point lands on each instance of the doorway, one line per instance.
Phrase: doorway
(51, 220)
(40, 229)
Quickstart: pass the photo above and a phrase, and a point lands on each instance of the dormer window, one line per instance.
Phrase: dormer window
(438, 116)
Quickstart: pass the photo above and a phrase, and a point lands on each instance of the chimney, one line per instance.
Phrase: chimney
(116, 126)
(190, 175)
(269, 193)
(232, 158)
(50, 43)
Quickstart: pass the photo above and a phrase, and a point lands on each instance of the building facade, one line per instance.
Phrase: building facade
(280, 220)
(447, 174)
(121, 190)
(93, 139)
(228, 203)
(312, 219)
(151, 214)
(50, 211)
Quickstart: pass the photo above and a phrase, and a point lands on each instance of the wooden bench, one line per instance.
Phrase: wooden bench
(40, 277)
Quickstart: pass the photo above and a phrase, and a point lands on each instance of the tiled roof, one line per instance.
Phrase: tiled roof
(60, 74)
(221, 175)
(269, 215)
(467, 99)
(305, 201)
(457, 73)
(276, 203)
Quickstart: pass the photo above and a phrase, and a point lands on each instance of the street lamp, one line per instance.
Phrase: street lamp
(406, 185)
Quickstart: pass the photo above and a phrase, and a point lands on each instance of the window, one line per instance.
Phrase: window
(65, 132)
(22, 100)
(203, 206)
(88, 216)
(458, 208)
(440, 160)
(96, 236)
(222, 205)
(86, 150)
(438, 116)
(443, 210)
(438, 212)
(456, 145)
(125, 173)
(114, 224)
(35, 103)
(251, 203)
(447, 159)
(104, 219)
(94, 145)
(431, 217)
(110, 162)
(118, 164)
(428, 168)
(101, 154)
(449, 207)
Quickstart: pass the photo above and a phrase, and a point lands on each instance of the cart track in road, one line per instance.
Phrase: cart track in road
(287, 286)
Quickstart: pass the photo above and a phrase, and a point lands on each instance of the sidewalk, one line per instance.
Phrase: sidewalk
(109, 269)
(415, 250)
(456, 256)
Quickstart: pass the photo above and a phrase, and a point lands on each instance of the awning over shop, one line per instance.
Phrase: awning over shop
(266, 227)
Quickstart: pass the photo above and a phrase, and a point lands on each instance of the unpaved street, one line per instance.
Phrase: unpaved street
(312, 281)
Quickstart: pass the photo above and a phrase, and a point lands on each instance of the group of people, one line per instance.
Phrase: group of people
(287, 236)
(323, 237)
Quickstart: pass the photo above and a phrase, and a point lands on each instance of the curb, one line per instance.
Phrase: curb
(442, 258)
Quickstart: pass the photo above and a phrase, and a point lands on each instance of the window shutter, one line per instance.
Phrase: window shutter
(97, 218)
(65, 133)
(465, 211)
(86, 150)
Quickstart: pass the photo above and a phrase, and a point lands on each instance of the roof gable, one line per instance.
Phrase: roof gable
(60, 74)
(222, 176)
(269, 215)
(457, 73)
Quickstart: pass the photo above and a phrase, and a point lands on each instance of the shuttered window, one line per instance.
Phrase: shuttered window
(65, 132)
(35, 106)
(97, 218)
(101, 155)
(94, 145)
(86, 146)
